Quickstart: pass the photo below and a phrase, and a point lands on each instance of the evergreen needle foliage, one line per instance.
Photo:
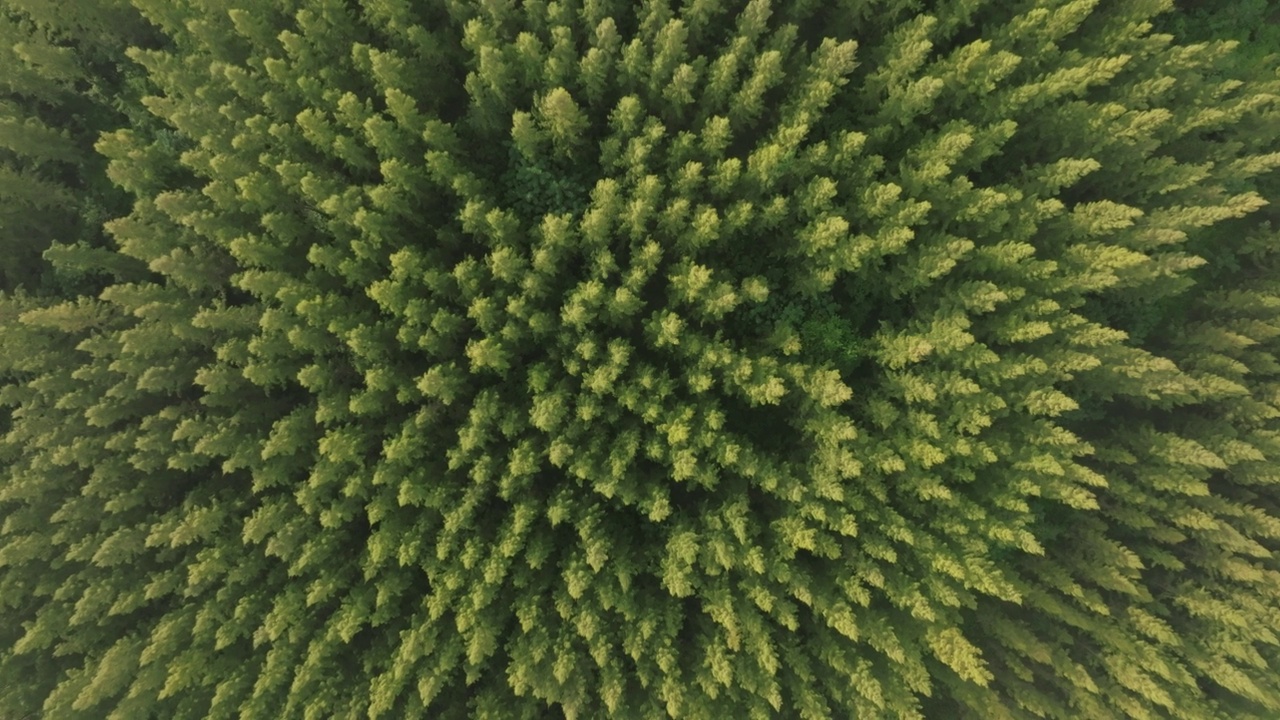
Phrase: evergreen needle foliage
(600, 358)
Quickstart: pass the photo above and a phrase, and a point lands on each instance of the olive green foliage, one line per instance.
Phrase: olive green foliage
(544, 186)
(827, 330)
(63, 85)
(1255, 24)
(594, 358)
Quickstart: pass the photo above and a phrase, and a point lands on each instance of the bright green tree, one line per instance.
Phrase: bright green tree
(876, 359)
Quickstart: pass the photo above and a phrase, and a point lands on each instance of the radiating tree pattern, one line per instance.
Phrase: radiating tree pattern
(599, 358)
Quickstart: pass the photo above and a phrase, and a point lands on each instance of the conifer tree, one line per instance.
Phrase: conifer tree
(64, 83)
(601, 359)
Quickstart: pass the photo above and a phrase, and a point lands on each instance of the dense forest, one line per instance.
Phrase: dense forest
(663, 359)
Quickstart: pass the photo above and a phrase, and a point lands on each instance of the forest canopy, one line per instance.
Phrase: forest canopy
(598, 358)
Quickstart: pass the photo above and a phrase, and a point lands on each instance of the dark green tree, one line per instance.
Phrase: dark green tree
(66, 80)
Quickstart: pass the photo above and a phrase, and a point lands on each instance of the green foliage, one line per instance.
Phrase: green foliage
(397, 359)
(827, 333)
(1254, 23)
(538, 187)
(1215, 20)
(63, 86)
(830, 336)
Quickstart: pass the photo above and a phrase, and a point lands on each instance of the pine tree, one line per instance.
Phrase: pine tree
(885, 359)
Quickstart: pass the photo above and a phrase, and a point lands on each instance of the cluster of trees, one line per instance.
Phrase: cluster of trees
(876, 359)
